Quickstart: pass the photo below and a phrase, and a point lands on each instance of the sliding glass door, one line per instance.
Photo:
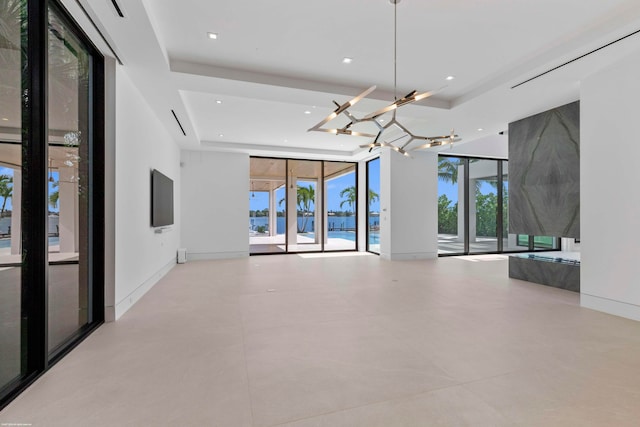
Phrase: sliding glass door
(51, 190)
(341, 201)
(301, 206)
(451, 236)
(483, 205)
(473, 214)
(68, 181)
(373, 205)
(12, 336)
(267, 207)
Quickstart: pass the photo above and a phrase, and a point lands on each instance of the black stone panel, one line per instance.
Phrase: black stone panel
(556, 274)
(544, 173)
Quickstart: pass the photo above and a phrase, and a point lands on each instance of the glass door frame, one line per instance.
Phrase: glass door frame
(320, 204)
(367, 213)
(499, 211)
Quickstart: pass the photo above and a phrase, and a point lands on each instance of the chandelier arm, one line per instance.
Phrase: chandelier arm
(342, 108)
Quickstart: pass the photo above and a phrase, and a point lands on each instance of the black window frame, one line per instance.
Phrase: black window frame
(35, 357)
(499, 212)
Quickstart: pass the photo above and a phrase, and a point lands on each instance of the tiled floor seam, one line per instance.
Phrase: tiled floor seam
(377, 402)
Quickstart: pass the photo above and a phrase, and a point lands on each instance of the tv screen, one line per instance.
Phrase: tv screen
(161, 199)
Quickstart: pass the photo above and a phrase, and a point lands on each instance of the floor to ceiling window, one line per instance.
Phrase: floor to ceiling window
(305, 221)
(267, 207)
(301, 206)
(483, 205)
(341, 202)
(373, 205)
(12, 32)
(451, 236)
(51, 180)
(473, 203)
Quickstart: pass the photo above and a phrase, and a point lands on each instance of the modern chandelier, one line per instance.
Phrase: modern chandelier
(401, 143)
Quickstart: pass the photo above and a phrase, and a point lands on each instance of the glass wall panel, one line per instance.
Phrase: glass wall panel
(373, 206)
(267, 205)
(69, 74)
(305, 229)
(450, 211)
(12, 44)
(341, 206)
(483, 205)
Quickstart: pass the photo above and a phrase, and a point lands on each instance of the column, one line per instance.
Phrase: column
(16, 212)
(472, 209)
(68, 202)
(409, 205)
(292, 210)
(318, 227)
(461, 204)
(273, 212)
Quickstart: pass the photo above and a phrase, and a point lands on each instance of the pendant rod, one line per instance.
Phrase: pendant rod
(395, 50)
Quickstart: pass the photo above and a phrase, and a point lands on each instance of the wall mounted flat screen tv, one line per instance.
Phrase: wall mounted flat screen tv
(161, 199)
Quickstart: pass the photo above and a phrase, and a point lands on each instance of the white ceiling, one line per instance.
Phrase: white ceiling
(275, 60)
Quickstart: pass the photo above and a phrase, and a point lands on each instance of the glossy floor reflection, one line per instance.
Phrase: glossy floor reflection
(346, 341)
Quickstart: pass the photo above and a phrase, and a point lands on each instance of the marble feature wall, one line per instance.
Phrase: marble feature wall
(544, 173)
(556, 274)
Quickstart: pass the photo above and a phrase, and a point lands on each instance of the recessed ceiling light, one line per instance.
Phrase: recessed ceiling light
(347, 60)
(450, 77)
(381, 120)
(4, 119)
(220, 135)
(213, 36)
(480, 129)
(218, 101)
(307, 112)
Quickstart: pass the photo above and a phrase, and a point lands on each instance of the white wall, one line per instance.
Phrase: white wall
(408, 205)
(142, 257)
(610, 206)
(215, 204)
(495, 146)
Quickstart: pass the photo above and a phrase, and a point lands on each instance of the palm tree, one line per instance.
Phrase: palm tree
(350, 193)
(448, 169)
(305, 197)
(6, 190)
(54, 196)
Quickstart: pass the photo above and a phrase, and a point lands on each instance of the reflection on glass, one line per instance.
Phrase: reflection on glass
(373, 206)
(341, 206)
(11, 45)
(267, 205)
(450, 211)
(69, 106)
(483, 205)
(545, 243)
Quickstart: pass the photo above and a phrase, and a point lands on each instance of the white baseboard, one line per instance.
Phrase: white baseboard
(617, 308)
(200, 256)
(409, 256)
(121, 307)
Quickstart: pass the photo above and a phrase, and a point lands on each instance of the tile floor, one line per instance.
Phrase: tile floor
(307, 340)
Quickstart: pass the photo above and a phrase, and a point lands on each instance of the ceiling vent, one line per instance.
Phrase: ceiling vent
(117, 8)
(178, 121)
(576, 59)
